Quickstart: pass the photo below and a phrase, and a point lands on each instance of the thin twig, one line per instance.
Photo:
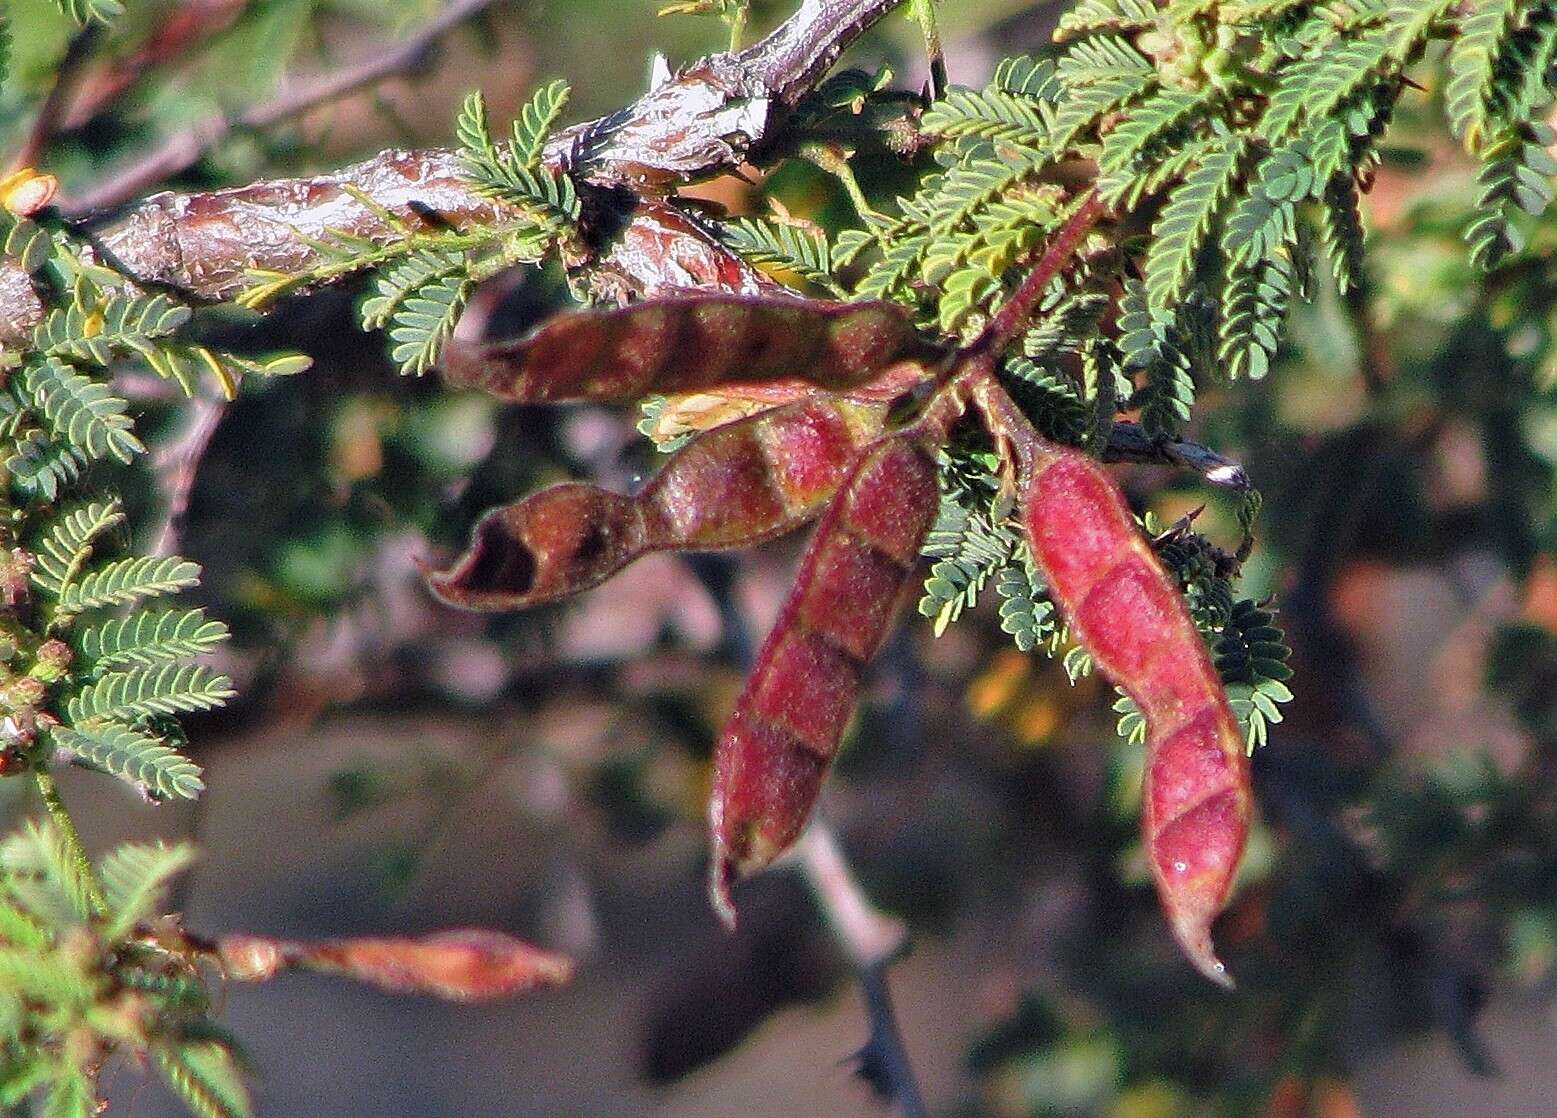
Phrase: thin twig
(75, 850)
(1015, 311)
(53, 109)
(183, 149)
(186, 26)
(872, 940)
(924, 12)
(178, 464)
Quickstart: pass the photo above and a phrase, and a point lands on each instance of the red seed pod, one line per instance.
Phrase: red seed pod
(776, 748)
(735, 485)
(1126, 610)
(688, 342)
(465, 964)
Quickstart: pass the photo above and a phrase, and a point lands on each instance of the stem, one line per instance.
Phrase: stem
(69, 836)
(738, 24)
(871, 938)
(57, 103)
(1129, 443)
(1013, 316)
(179, 463)
(830, 158)
(972, 373)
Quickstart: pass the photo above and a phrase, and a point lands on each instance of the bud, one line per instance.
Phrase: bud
(24, 692)
(15, 573)
(53, 661)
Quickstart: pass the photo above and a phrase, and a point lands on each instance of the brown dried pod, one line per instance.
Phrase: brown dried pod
(689, 342)
(735, 485)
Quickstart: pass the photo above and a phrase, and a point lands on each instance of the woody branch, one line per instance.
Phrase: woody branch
(709, 118)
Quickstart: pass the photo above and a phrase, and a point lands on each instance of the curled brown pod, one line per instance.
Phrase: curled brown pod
(734, 485)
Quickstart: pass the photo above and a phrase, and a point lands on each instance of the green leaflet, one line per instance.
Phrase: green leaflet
(803, 250)
(126, 580)
(90, 11)
(1026, 613)
(1154, 126)
(37, 855)
(1341, 232)
(1251, 658)
(992, 113)
(1108, 15)
(140, 759)
(135, 877)
(206, 1076)
(1472, 95)
(149, 637)
(40, 467)
(1186, 222)
(141, 692)
(1515, 176)
(96, 331)
(513, 169)
(24, 241)
(1254, 301)
(65, 548)
(81, 412)
(968, 548)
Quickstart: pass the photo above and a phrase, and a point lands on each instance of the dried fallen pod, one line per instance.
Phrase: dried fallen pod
(463, 964)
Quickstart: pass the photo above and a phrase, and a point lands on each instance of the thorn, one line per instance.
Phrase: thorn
(659, 71)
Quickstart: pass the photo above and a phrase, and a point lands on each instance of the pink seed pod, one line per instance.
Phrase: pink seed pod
(1126, 610)
(463, 964)
(776, 748)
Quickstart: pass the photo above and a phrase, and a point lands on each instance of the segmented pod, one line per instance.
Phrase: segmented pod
(1126, 610)
(777, 746)
(685, 343)
(734, 485)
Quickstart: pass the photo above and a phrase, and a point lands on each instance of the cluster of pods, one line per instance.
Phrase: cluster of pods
(833, 434)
